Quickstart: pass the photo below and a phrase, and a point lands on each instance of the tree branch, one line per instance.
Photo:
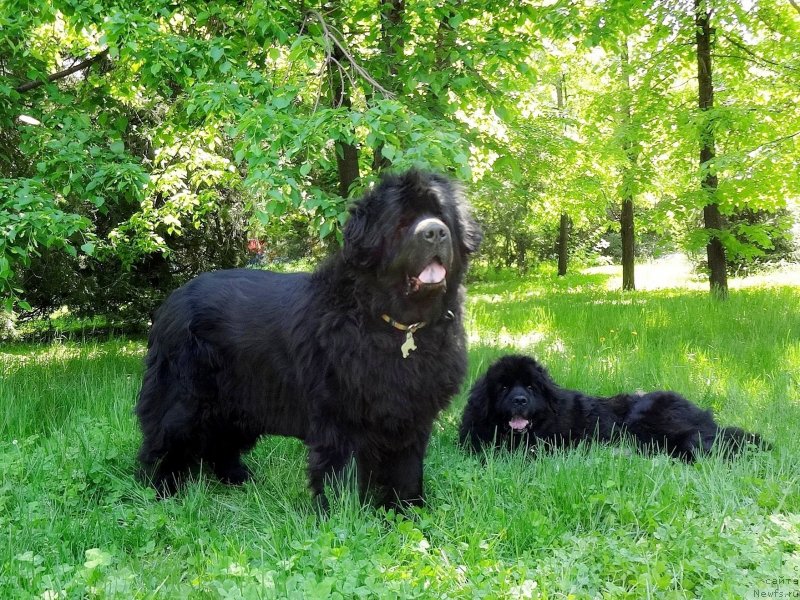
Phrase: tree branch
(774, 142)
(84, 64)
(795, 4)
(333, 39)
(759, 59)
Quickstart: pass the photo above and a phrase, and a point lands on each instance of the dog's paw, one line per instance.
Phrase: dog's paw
(233, 474)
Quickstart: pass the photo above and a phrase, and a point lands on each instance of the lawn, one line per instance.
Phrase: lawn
(592, 522)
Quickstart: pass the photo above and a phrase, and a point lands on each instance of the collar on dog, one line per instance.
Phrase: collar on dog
(409, 344)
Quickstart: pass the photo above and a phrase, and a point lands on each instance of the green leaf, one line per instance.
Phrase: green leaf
(96, 558)
(325, 229)
(216, 53)
(389, 152)
(455, 20)
(281, 102)
(504, 113)
(262, 216)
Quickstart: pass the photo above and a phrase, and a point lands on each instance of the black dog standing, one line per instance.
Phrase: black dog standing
(516, 402)
(356, 359)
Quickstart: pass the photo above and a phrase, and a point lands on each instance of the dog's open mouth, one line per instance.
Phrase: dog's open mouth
(518, 424)
(433, 275)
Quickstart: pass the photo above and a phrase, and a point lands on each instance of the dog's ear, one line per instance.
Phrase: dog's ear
(540, 374)
(552, 400)
(538, 370)
(480, 400)
(362, 245)
(545, 383)
(471, 234)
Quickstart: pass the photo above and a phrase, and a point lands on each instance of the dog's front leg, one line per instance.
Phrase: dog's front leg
(326, 464)
(402, 478)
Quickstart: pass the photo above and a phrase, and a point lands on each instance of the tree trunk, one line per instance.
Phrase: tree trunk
(626, 225)
(392, 37)
(563, 244)
(346, 153)
(628, 250)
(522, 255)
(563, 229)
(717, 264)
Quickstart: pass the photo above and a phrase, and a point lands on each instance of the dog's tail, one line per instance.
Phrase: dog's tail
(734, 440)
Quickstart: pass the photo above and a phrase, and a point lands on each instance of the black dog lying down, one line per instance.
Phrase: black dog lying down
(516, 403)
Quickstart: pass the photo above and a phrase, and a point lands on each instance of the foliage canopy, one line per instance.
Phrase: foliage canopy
(143, 142)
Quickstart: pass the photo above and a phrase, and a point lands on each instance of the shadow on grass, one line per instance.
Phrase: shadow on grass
(73, 329)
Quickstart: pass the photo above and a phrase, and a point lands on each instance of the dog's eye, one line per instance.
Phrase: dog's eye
(530, 388)
(504, 389)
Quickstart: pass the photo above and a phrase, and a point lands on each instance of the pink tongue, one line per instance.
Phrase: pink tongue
(433, 273)
(518, 423)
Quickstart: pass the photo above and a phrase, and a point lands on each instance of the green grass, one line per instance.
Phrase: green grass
(593, 522)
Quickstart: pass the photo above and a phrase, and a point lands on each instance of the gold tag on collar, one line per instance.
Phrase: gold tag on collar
(409, 344)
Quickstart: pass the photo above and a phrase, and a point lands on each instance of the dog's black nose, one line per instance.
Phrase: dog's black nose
(519, 400)
(432, 230)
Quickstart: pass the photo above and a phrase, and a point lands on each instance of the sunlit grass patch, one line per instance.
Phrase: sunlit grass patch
(676, 271)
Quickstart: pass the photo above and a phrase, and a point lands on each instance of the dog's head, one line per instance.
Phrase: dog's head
(520, 394)
(413, 233)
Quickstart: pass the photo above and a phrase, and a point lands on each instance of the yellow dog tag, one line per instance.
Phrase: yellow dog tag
(409, 345)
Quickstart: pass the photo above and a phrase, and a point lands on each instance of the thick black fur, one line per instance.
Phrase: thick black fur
(516, 402)
(237, 354)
